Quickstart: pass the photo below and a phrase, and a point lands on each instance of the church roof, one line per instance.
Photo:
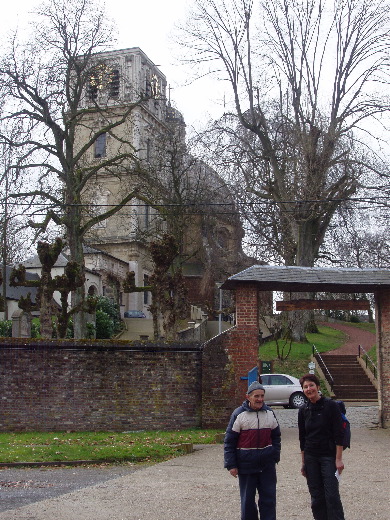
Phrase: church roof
(306, 279)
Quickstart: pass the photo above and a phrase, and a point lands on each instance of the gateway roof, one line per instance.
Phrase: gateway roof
(315, 279)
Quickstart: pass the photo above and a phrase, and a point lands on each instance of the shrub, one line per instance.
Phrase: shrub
(6, 328)
(35, 328)
(354, 319)
(91, 330)
(104, 325)
(112, 310)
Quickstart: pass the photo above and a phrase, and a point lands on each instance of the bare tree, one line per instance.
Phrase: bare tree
(357, 242)
(303, 79)
(15, 238)
(53, 86)
(235, 152)
(305, 125)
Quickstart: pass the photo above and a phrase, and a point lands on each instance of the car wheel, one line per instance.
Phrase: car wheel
(297, 400)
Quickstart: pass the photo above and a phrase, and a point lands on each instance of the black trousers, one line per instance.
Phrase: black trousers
(264, 483)
(324, 488)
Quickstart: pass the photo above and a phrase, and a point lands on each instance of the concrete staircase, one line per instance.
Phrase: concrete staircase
(350, 382)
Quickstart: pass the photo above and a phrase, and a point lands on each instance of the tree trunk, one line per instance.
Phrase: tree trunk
(75, 242)
(45, 308)
(306, 234)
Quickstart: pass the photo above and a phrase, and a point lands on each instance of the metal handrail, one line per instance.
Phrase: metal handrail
(317, 354)
(368, 359)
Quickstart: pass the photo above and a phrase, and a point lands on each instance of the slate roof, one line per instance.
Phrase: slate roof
(303, 279)
(14, 293)
(34, 262)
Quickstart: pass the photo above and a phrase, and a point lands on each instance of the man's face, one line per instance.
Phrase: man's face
(256, 399)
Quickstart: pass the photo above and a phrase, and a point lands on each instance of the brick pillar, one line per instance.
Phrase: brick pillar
(228, 357)
(247, 307)
(243, 345)
(382, 300)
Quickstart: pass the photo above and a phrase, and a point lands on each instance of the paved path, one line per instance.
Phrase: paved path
(355, 337)
(196, 487)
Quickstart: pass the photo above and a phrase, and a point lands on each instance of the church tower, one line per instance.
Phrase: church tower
(126, 81)
(170, 189)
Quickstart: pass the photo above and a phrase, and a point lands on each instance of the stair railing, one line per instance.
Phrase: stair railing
(368, 360)
(329, 376)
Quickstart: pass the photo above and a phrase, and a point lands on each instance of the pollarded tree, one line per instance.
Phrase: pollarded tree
(72, 278)
(167, 286)
(304, 78)
(45, 83)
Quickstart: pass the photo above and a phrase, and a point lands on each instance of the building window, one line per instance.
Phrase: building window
(105, 79)
(92, 89)
(100, 145)
(223, 238)
(148, 88)
(146, 293)
(147, 216)
(114, 83)
(148, 150)
(91, 290)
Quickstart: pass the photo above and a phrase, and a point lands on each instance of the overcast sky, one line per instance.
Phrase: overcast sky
(148, 25)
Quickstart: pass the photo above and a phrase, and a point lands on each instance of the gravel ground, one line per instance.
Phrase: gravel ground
(358, 415)
(196, 487)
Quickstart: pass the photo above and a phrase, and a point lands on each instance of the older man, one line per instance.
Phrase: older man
(252, 450)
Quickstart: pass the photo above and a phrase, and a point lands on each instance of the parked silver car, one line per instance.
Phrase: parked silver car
(134, 314)
(282, 389)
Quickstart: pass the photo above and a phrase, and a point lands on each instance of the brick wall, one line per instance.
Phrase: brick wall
(382, 299)
(70, 386)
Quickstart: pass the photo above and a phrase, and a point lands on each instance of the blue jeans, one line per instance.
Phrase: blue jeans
(264, 483)
(324, 488)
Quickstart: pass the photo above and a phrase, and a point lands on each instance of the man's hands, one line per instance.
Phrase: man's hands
(233, 472)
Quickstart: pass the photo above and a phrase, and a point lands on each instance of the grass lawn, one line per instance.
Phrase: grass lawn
(135, 447)
(297, 362)
(371, 328)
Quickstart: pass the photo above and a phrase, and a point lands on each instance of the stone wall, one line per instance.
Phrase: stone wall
(73, 386)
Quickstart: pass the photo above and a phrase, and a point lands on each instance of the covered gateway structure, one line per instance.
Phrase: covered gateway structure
(241, 343)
